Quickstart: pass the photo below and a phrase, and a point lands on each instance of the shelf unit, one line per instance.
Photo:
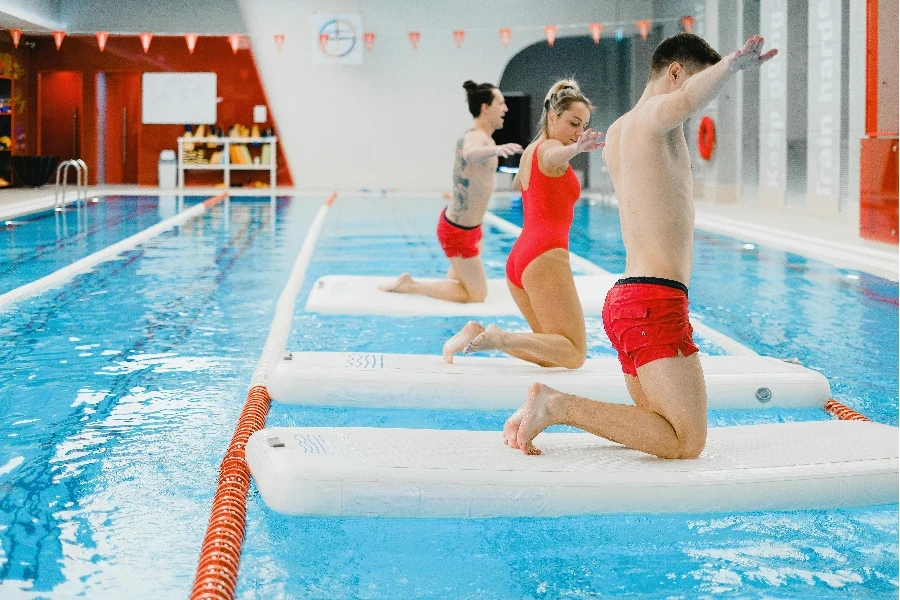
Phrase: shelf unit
(226, 166)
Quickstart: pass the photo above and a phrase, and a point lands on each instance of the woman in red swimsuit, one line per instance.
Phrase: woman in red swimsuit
(538, 272)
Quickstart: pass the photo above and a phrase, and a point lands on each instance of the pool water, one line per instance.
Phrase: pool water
(121, 391)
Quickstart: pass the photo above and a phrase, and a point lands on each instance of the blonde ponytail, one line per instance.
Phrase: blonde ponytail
(561, 96)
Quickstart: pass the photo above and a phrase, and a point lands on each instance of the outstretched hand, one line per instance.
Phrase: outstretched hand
(507, 150)
(750, 56)
(589, 141)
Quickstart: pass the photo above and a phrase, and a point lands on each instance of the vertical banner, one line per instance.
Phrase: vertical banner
(823, 166)
(337, 38)
(773, 106)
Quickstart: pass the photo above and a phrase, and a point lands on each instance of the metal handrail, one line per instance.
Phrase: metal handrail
(81, 170)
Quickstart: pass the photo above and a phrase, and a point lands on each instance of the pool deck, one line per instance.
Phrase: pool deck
(830, 240)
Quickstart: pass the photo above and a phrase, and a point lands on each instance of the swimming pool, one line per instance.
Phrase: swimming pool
(121, 390)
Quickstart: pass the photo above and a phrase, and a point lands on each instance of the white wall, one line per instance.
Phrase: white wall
(393, 122)
(215, 17)
(30, 15)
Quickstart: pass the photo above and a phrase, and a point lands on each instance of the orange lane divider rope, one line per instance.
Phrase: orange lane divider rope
(220, 554)
(214, 200)
(842, 411)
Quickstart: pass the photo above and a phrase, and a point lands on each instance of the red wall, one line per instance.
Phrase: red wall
(239, 87)
(878, 198)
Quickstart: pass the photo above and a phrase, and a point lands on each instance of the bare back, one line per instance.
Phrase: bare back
(651, 173)
(473, 183)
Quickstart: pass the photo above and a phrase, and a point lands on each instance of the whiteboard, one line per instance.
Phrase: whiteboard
(179, 98)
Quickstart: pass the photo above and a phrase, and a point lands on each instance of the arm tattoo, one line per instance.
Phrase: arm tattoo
(460, 202)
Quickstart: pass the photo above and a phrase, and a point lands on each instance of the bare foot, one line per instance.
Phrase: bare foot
(459, 341)
(532, 418)
(401, 286)
(488, 339)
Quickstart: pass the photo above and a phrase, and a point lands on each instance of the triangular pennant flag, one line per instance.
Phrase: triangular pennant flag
(369, 40)
(102, 38)
(191, 39)
(235, 40)
(145, 40)
(688, 24)
(644, 28)
(414, 37)
(323, 41)
(279, 41)
(596, 31)
(58, 38)
(505, 34)
(16, 36)
(550, 32)
(458, 36)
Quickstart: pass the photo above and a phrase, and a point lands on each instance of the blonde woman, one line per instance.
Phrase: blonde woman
(537, 271)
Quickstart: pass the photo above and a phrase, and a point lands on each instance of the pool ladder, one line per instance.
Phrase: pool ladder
(81, 180)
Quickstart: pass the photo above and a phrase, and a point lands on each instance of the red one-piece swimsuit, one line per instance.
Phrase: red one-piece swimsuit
(549, 207)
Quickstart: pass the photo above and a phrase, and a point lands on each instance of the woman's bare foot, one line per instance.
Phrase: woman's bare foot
(401, 286)
(488, 339)
(459, 341)
(533, 417)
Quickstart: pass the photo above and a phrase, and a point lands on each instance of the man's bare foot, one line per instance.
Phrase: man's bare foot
(401, 286)
(459, 341)
(488, 339)
(532, 418)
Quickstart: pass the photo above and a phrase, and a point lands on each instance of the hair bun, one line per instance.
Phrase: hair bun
(470, 85)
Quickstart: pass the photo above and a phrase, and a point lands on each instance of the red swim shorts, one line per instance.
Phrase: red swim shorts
(646, 318)
(457, 240)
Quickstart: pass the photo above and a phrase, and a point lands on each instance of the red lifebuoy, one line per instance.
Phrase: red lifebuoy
(706, 137)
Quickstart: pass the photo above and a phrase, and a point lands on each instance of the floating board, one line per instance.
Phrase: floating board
(426, 381)
(356, 295)
(373, 472)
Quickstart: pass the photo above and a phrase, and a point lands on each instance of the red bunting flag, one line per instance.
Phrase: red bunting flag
(458, 36)
(644, 28)
(414, 37)
(505, 34)
(58, 38)
(688, 24)
(369, 40)
(191, 39)
(550, 32)
(145, 40)
(596, 31)
(102, 38)
(235, 40)
(323, 41)
(279, 41)
(16, 36)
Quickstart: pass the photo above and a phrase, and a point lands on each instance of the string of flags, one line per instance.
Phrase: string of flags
(459, 36)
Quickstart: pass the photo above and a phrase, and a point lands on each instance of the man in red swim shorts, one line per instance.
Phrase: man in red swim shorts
(459, 226)
(646, 312)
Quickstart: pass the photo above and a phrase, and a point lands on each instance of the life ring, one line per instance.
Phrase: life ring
(706, 137)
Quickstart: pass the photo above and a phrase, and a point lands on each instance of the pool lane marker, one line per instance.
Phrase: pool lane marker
(61, 276)
(730, 345)
(220, 554)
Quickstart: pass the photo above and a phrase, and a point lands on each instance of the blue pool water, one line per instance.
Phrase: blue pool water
(122, 388)
(35, 245)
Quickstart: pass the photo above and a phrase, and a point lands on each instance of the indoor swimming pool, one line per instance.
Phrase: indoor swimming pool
(121, 390)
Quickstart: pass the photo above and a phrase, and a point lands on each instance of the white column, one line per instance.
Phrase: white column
(773, 106)
(856, 41)
(823, 159)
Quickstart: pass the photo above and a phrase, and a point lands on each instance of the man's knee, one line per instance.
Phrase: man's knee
(476, 294)
(576, 359)
(692, 443)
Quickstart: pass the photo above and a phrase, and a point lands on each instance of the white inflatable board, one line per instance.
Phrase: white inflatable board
(372, 472)
(350, 294)
(426, 381)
